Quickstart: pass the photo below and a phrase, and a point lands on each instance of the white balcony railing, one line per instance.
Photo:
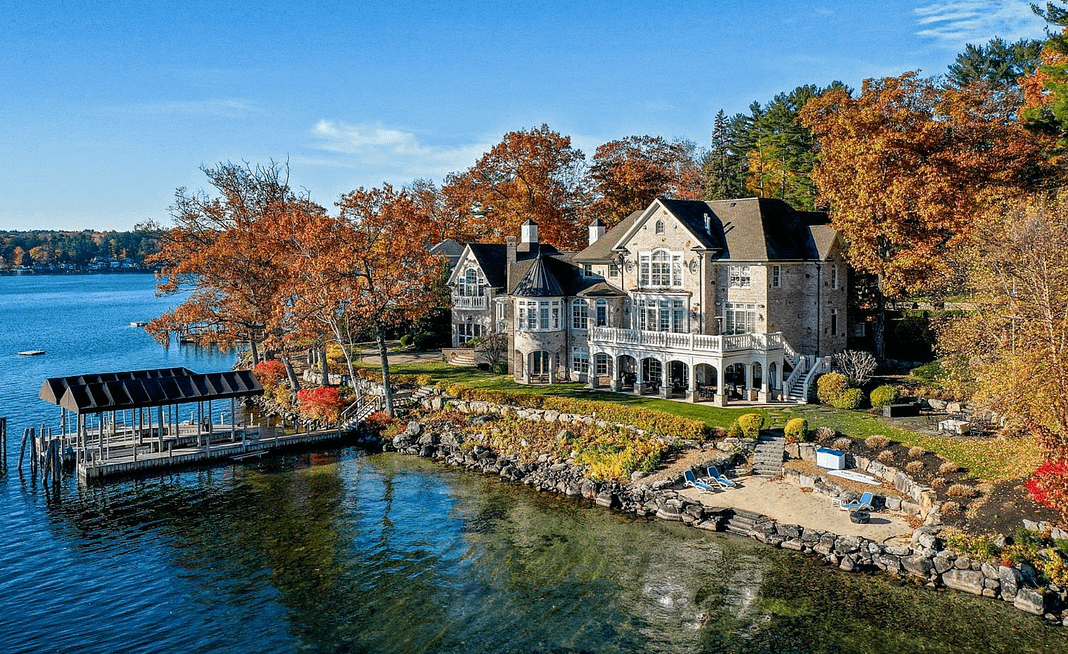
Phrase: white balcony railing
(469, 301)
(686, 342)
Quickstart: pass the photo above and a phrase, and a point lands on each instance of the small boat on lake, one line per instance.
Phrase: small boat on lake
(139, 323)
(31, 353)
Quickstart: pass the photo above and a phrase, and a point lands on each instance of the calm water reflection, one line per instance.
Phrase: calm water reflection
(343, 552)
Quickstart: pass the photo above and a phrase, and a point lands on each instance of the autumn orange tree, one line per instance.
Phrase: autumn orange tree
(221, 251)
(534, 174)
(905, 167)
(374, 264)
(627, 174)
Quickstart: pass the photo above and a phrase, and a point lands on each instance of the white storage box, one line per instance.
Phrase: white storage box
(830, 459)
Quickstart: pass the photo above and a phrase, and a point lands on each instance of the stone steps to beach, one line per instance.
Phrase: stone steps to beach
(768, 455)
(742, 522)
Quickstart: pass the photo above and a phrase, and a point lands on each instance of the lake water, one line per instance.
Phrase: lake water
(339, 551)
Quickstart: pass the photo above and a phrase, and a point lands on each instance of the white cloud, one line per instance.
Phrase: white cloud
(224, 107)
(392, 150)
(956, 22)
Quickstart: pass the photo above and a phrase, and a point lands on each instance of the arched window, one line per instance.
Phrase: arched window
(659, 268)
(660, 227)
(469, 286)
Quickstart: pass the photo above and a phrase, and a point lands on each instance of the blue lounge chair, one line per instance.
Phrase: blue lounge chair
(721, 479)
(863, 503)
(692, 480)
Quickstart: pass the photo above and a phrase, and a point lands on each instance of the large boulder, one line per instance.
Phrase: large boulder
(1030, 600)
(968, 581)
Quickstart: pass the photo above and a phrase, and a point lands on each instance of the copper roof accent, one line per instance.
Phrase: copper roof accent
(538, 282)
(118, 391)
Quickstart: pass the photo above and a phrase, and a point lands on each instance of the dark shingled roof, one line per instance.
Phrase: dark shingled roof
(147, 388)
(493, 259)
(538, 281)
(601, 250)
(749, 229)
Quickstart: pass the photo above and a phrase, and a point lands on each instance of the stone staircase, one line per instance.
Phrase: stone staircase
(741, 522)
(797, 392)
(768, 455)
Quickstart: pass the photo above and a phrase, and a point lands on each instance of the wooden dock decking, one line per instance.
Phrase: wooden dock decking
(125, 458)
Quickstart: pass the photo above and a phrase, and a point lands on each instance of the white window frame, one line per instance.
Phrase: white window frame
(470, 284)
(600, 363)
(538, 315)
(776, 276)
(732, 311)
(580, 314)
(834, 277)
(580, 360)
(601, 315)
(660, 268)
(739, 276)
(659, 228)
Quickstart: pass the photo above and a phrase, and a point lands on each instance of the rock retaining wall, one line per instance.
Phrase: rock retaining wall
(925, 559)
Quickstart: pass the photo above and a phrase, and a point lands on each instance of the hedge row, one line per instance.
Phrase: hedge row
(657, 422)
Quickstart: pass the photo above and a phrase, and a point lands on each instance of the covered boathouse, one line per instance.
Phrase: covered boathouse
(123, 422)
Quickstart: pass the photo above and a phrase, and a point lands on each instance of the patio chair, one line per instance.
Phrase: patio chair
(715, 475)
(865, 502)
(692, 480)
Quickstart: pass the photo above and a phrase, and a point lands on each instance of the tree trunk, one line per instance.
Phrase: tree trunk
(380, 335)
(325, 364)
(255, 352)
(879, 329)
(294, 383)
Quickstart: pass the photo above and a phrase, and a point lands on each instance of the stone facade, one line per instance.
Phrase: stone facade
(702, 300)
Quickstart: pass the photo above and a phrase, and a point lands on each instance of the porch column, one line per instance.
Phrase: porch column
(693, 382)
(552, 368)
(763, 393)
(665, 379)
(721, 384)
(526, 367)
(617, 375)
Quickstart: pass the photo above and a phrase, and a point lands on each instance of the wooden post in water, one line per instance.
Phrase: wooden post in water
(33, 452)
(3, 444)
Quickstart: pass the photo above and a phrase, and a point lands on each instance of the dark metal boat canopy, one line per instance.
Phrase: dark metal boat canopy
(117, 391)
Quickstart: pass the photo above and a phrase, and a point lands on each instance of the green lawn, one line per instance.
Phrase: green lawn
(988, 459)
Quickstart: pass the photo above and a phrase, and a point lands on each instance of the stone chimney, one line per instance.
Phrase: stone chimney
(529, 233)
(510, 247)
(596, 230)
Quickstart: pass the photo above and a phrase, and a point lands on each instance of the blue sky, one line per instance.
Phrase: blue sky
(107, 107)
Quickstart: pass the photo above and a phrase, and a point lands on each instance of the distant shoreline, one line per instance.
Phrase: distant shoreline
(77, 271)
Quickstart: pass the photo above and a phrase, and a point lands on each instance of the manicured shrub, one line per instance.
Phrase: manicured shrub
(830, 386)
(938, 482)
(269, 372)
(850, 399)
(406, 340)
(499, 367)
(877, 442)
(916, 452)
(951, 508)
(735, 430)
(1048, 485)
(961, 491)
(751, 424)
(883, 396)
(914, 467)
(948, 467)
(323, 403)
(796, 430)
(843, 444)
(887, 456)
(423, 340)
(824, 434)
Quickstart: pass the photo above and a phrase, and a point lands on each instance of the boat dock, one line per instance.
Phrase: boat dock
(126, 453)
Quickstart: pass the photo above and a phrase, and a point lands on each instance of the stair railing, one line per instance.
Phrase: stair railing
(798, 370)
(821, 366)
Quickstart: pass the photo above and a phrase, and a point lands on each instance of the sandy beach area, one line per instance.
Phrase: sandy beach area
(788, 503)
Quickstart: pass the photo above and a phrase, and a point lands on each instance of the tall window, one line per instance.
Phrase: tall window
(661, 315)
(469, 284)
(580, 360)
(739, 318)
(613, 270)
(776, 276)
(580, 314)
(660, 268)
(535, 315)
(834, 276)
(601, 363)
(834, 322)
(465, 331)
(602, 313)
(739, 276)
